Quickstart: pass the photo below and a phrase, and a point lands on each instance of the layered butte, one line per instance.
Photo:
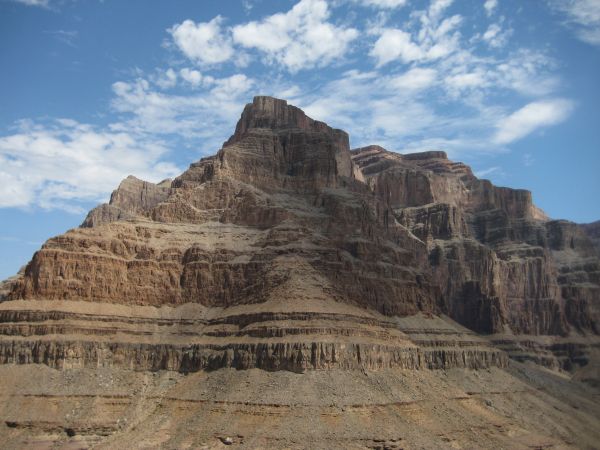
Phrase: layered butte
(274, 253)
(288, 251)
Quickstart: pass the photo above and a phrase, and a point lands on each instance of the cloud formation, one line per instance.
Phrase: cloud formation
(581, 15)
(147, 108)
(532, 117)
(63, 163)
(490, 6)
(434, 37)
(41, 3)
(432, 82)
(299, 39)
(204, 43)
(385, 4)
(302, 38)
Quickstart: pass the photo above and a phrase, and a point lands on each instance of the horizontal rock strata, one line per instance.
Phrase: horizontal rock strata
(187, 340)
(287, 250)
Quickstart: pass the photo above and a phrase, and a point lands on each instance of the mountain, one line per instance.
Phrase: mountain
(291, 278)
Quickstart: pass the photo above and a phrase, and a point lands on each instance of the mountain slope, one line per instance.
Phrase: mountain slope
(287, 251)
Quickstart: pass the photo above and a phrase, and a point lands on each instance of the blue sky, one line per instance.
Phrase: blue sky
(93, 91)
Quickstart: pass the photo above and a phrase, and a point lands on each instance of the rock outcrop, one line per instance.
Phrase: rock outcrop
(593, 232)
(370, 288)
(133, 197)
(503, 267)
(325, 250)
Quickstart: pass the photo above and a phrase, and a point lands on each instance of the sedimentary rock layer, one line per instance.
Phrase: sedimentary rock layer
(285, 217)
(277, 337)
(521, 407)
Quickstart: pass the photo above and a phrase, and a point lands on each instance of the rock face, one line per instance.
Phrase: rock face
(132, 197)
(363, 284)
(592, 230)
(286, 250)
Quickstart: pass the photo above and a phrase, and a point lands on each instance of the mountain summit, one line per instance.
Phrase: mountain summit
(288, 252)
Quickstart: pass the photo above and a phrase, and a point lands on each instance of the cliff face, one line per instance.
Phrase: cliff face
(500, 263)
(286, 250)
(592, 230)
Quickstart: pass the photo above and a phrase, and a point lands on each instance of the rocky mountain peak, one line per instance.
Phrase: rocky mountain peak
(276, 145)
(286, 211)
(277, 115)
(286, 251)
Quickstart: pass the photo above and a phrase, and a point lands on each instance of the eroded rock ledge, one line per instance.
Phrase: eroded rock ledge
(325, 249)
(72, 335)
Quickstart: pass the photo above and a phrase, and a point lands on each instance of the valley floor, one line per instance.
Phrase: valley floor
(521, 407)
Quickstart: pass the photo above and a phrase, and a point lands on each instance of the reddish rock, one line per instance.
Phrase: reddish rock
(287, 223)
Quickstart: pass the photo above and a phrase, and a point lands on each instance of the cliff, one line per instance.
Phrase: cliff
(288, 252)
(321, 244)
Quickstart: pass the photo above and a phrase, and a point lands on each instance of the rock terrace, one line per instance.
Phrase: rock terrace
(288, 251)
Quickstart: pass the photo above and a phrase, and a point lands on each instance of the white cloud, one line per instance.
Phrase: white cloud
(385, 4)
(528, 159)
(408, 111)
(469, 80)
(434, 39)
(41, 3)
(452, 94)
(483, 172)
(61, 164)
(64, 164)
(477, 77)
(301, 38)
(208, 113)
(375, 110)
(490, 6)
(67, 37)
(526, 72)
(166, 79)
(247, 5)
(495, 36)
(414, 79)
(195, 78)
(436, 8)
(583, 16)
(531, 117)
(205, 43)
(394, 44)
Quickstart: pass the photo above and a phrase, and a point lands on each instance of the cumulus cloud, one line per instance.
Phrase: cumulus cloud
(583, 16)
(436, 8)
(301, 38)
(394, 111)
(166, 79)
(435, 38)
(432, 41)
(395, 44)
(490, 6)
(205, 43)
(446, 98)
(449, 93)
(532, 117)
(208, 113)
(195, 78)
(63, 163)
(467, 80)
(450, 104)
(414, 79)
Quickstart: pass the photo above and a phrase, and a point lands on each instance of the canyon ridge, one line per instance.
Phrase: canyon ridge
(289, 292)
